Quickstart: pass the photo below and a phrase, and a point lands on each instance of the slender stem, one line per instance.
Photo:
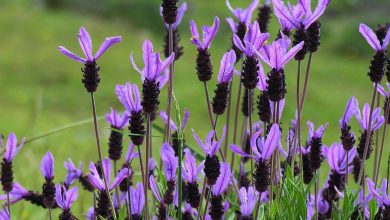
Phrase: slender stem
(250, 124)
(144, 176)
(228, 119)
(368, 136)
(100, 153)
(50, 217)
(148, 141)
(170, 83)
(383, 139)
(207, 203)
(116, 188)
(201, 198)
(236, 121)
(376, 141)
(208, 104)
(346, 168)
(9, 206)
(306, 80)
(298, 124)
(315, 194)
(387, 176)
(128, 191)
(180, 140)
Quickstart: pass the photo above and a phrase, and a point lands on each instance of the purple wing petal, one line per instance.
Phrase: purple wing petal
(350, 110)
(10, 148)
(59, 199)
(134, 64)
(320, 9)
(85, 43)
(200, 143)
(382, 91)
(370, 37)
(232, 24)
(236, 149)
(227, 66)
(248, 12)
(291, 53)
(107, 44)
(194, 34)
(271, 142)
(167, 62)
(164, 117)
(47, 165)
(106, 164)
(71, 55)
(148, 57)
(211, 34)
(154, 188)
(180, 13)
(386, 40)
(185, 118)
(119, 177)
(71, 196)
(223, 180)
(237, 41)
(283, 13)
(94, 177)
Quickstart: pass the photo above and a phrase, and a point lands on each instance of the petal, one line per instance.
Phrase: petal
(283, 13)
(370, 37)
(164, 117)
(85, 43)
(135, 65)
(58, 196)
(154, 188)
(200, 143)
(106, 165)
(211, 34)
(125, 172)
(107, 44)
(185, 118)
(71, 196)
(237, 41)
(248, 12)
(10, 147)
(232, 24)
(271, 142)
(194, 34)
(180, 13)
(236, 149)
(386, 40)
(149, 58)
(223, 180)
(166, 62)
(47, 165)
(291, 53)
(71, 55)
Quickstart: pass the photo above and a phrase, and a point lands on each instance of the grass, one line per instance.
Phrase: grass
(41, 89)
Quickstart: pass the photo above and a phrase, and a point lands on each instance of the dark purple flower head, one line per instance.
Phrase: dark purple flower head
(252, 41)
(373, 40)
(47, 166)
(190, 170)
(170, 161)
(350, 110)
(130, 154)
(154, 188)
(337, 160)
(223, 180)
(262, 149)
(227, 67)
(380, 194)
(210, 147)
(180, 13)
(277, 54)
(86, 45)
(73, 172)
(243, 16)
(363, 118)
(98, 183)
(137, 196)
(301, 15)
(248, 199)
(64, 197)
(154, 66)
(4, 214)
(316, 133)
(172, 125)
(208, 34)
(129, 96)
(17, 193)
(116, 120)
(11, 147)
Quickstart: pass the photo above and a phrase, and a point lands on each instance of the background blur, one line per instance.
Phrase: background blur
(41, 89)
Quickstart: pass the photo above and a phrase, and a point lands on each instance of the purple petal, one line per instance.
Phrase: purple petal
(85, 43)
(271, 142)
(137, 199)
(283, 13)
(248, 12)
(386, 40)
(232, 24)
(58, 197)
(200, 143)
(154, 188)
(210, 33)
(190, 165)
(71, 196)
(236, 149)
(47, 165)
(370, 37)
(195, 34)
(262, 84)
(107, 44)
(130, 155)
(149, 58)
(134, 64)
(291, 53)
(223, 180)
(257, 143)
(180, 13)
(166, 63)
(71, 55)
(125, 172)
(237, 41)
(10, 147)
(106, 165)
(227, 67)
(350, 110)
(185, 118)
(169, 160)
(164, 117)
(320, 9)
(94, 177)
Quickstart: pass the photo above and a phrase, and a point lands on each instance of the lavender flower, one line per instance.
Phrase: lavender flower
(347, 137)
(170, 166)
(248, 198)
(203, 61)
(73, 172)
(382, 198)
(190, 174)
(90, 215)
(169, 11)
(188, 212)
(216, 210)
(137, 201)
(361, 206)
(385, 94)
(210, 148)
(263, 103)
(11, 149)
(262, 149)
(224, 77)
(307, 171)
(48, 188)
(17, 193)
(151, 76)
(323, 207)
(378, 62)
(130, 98)
(65, 199)
(117, 122)
(91, 70)
(316, 147)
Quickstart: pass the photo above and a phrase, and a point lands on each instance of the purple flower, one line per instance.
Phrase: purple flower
(252, 41)
(243, 16)
(73, 172)
(17, 193)
(47, 166)
(90, 215)
(129, 96)
(223, 180)
(227, 67)
(336, 157)
(64, 197)
(137, 199)
(11, 147)
(373, 40)
(210, 146)
(262, 149)
(169, 160)
(4, 214)
(350, 110)
(277, 54)
(383, 91)
(208, 34)
(152, 165)
(363, 118)
(180, 13)
(301, 15)
(116, 120)
(155, 189)
(173, 126)
(130, 154)
(153, 65)
(98, 183)
(86, 45)
(316, 133)
(190, 171)
(248, 199)
(382, 200)
(322, 206)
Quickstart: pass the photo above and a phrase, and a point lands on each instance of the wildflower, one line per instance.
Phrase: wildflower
(177, 49)
(385, 94)
(130, 155)
(316, 147)
(91, 70)
(117, 122)
(130, 98)
(264, 15)
(11, 149)
(103, 207)
(137, 201)
(170, 166)
(203, 61)
(361, 206)
(378, 62)
(210, 147)
(262, 149)
(65, 199)
(216, 209)
(162, 209)
(248, 198)
(277, 55)
(224, 77)
(188, 212)
(17, 193)
(169, 11)
(347, 137)
(48, 188)
(382, 198)
(190, 174)
(151, 76)
(73, 172)
(173, 126)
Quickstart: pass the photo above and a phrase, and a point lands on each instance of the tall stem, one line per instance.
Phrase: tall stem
(383, 139)
(207, 203)
(376, 141)
(236, 121)
(180, 140)
(228, 119)
(50, 216)
(306, 81)
(250, 124)
(9, 206)
(128, 190)
(206, 90)
(170, 83)
(201, 198)
(116, 188)
(100, 153)
(148, 141)
(298, 124)
(144, 176)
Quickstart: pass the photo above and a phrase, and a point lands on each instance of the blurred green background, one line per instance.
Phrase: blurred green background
(41, 89)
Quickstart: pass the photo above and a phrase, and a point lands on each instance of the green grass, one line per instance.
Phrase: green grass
(41, 89)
